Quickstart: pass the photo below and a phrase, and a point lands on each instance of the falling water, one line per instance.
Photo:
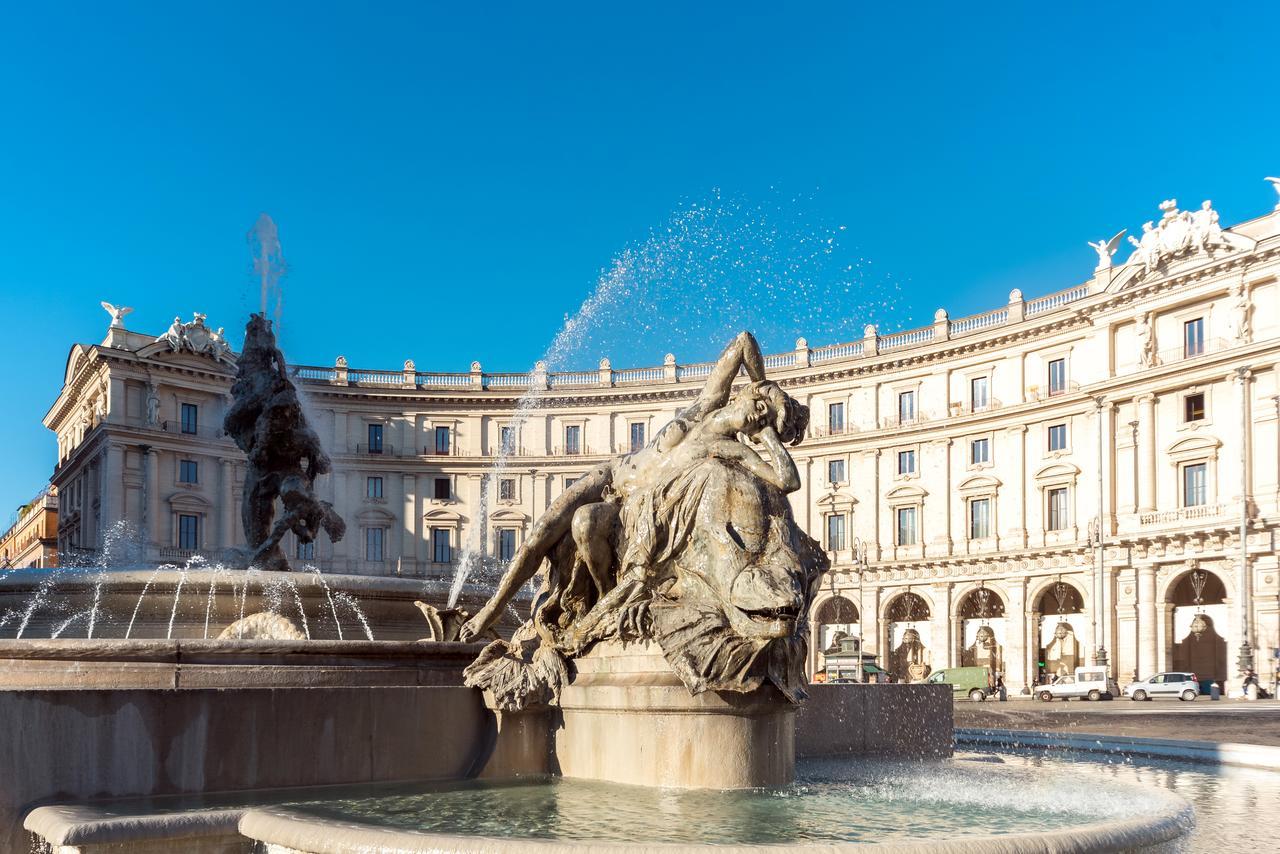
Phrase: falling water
(328, 595)
(42, 592)
(177, 592)
(729, 264)
(62, 627)
(346, 599)
(213, 586)
(268, 264)
(100, 579)
(142, 595)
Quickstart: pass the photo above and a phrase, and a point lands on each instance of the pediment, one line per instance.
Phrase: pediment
(979, 482)
(1197, 444)
(506, 514)
(836, 499)
(1058, 471)
(189, 501)
(906, 491)
(160, 351)
(439, 514)
(75, 361)
(374, 516)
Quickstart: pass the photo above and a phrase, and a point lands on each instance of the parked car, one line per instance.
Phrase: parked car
(1087, 683)
(976, 683)
(1182, 685)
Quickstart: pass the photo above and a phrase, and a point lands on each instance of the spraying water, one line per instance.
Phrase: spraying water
(268, 265)
(714, 268)
(142, 595)
(347, 600)
(328, 595)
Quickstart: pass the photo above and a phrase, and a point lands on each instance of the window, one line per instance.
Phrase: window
(375, 438)
(906, 518)
(188, 471)
(507, 489)
(979, 451)
(442, 440)
(835, 418)
(440, 551)
(305, 551)
(440, 489)
(979, 518)
(1193, 338)
(373, 544)
(1057, 508)
(978, 393)
(1193, 485)
(835, 471)
(508, 439)
(637, 436)
(573, 439)
(906, 406)
(190, 418)
(373, 487)
(1057, 376)
(1193, 407)
(835, 532)
(506, 543)
(569, 481)
(906, 462)
(1057, 437)
(188, 532)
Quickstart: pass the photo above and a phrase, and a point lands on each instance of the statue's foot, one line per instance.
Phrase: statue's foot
(475, 627)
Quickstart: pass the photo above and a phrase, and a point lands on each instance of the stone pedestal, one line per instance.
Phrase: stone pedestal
(626, 718)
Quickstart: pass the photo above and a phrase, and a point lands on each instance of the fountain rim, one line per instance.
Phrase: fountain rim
(299, 832)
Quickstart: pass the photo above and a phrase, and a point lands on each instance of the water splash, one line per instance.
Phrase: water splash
(62, 627)
(268, 264)
(143, 594)
(41, 594)
(99, 579)
(177, 594)
(728, 264)
(348, 601)
(328, 595)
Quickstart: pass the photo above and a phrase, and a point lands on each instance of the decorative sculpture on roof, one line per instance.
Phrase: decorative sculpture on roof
(1106, 250)
(195, 337)
(267, 422)
(1182, 232)
(1275, 185)
(688, 543)
(117, 314)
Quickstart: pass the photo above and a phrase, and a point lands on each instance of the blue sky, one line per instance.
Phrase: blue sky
(449, 180)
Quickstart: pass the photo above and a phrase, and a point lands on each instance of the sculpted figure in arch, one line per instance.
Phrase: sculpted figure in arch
(1062, 655)
(984, 651)
(688, 542)
(911, 658)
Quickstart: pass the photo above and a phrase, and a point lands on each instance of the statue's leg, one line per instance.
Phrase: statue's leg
(592, 532)
(543, 536)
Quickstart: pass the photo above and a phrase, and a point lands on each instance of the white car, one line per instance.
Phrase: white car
(1087, 683)
(1182, 685)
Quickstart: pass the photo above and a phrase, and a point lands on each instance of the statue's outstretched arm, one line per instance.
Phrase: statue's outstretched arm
(742, 352)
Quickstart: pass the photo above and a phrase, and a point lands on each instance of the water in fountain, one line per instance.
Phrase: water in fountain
(62, 627)
(142, 595)
(727, 264)
(348, 601)
(177, 594)
(274, 593)
(268, 265)
(100, 579)
(218, 570)
(42, 593)
(337, 624)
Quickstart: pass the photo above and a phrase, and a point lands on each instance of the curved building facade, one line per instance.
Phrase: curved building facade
(1087, 475)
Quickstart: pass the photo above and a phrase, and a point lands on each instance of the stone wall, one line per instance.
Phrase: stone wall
(876, 720)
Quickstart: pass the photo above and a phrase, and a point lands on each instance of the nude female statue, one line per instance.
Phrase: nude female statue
(589, 510)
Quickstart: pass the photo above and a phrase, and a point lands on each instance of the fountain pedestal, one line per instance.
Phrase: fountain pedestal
(625, 717)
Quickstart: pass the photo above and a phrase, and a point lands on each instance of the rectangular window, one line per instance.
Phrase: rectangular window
(442, 440)
(906, 407)
(979, 518)
(440, 489)
(1057, 508)
(1193, 338)
(835, 532)
(835, 471)
(375, 438)
(373, 544)
(188, 532)
(906, 462)
(1057, 376)
(569, 481)
(573, 439)
(507, 489)
(188, 471)
(906, 519)
(373, 487)
(1057, 437)
(835, 418)
(508, 440)
(440, 551)
(190, 418)
(506, 543)
(305, 551)
(979, 451)
(1194, 493)
(637, 436)
(1193, 407)
(979, 395)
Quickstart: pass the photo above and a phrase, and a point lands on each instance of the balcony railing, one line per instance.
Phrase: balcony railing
(959, 407)
(171, 553)
(910, 338)
(383, 450)
(175, 427)
(1039, 393)
(819, 430)
(831, 352)
(1179, 355)
(1184, 514)
(1052, 301)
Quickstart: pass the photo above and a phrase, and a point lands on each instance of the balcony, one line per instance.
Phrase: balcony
(821, 430)
(1043, 393)
(959, 408)
(383, 450)
(170, 554)
(1195, 513)
(1178, 355)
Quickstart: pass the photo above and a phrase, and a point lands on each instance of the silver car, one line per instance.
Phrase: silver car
(1180, 684)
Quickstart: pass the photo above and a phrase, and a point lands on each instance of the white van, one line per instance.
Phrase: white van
(1087, 683)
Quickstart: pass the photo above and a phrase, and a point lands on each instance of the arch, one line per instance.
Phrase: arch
(907, 606)
(1047, 599)
(970, 605)
(1180, 590)
(835, 609)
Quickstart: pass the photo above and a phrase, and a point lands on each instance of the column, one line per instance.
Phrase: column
(343, 547)
(941, 645)
(874, 500)
(226, 500)
(1146, 453)
(870, 619)
(408, 528)
(1015, 636)
(150, 502)
(1148, 625)
(1245, 578)
(1015, 489)
(110, 490)
(421, 549)
(940, 517)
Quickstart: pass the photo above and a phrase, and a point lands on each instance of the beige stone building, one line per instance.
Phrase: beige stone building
(32, 539)
(1087, 474)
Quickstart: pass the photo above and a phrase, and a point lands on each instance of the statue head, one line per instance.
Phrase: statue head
(1206, 205)
(1147, 226)
(986, 637)
(1061, 631)
(765, 404)
(1200, 624)
(910, 637)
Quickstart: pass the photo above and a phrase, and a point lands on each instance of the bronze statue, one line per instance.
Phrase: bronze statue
(285, 458)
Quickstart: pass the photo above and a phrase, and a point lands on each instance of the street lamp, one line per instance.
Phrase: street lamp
(1100, 646)
(860, 567)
